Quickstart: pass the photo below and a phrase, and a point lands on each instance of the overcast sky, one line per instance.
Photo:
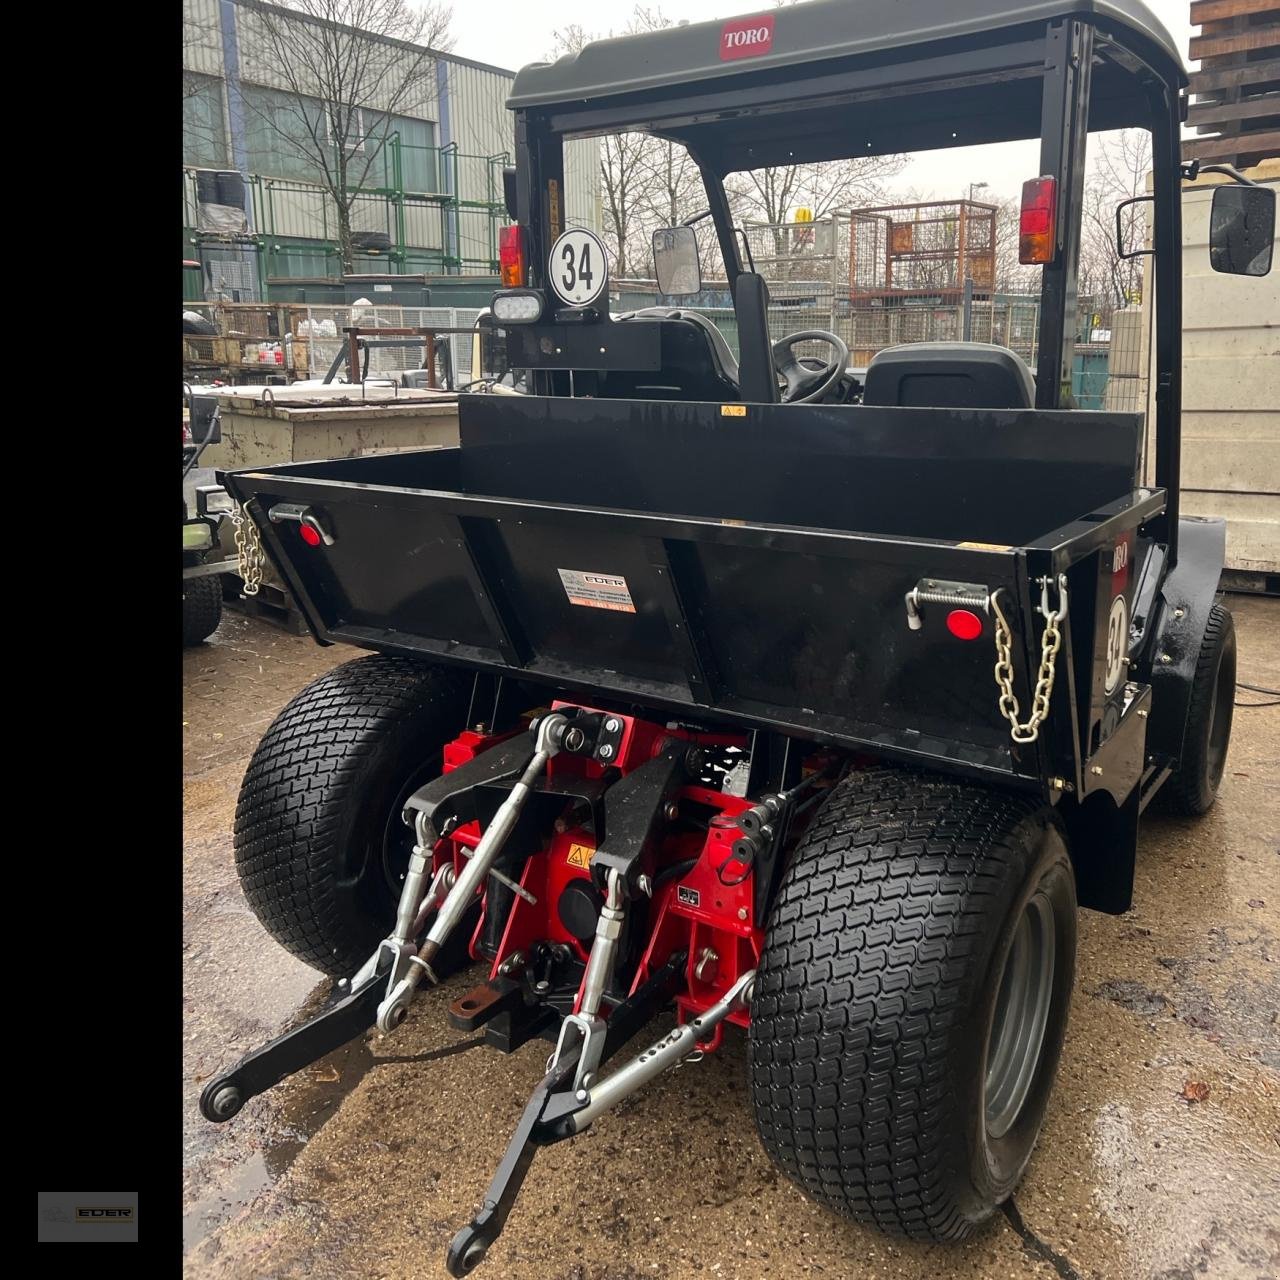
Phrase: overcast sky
(510, 33)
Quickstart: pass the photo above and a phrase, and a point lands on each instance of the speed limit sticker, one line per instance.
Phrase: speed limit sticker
(577, 267)
(1117, 643)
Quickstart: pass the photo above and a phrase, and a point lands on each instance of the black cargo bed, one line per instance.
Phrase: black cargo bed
(751, 567)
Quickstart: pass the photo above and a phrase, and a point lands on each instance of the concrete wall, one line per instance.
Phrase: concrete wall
(1231, 390)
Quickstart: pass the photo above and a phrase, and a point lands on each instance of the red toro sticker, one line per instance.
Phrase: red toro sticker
(1120, 555)
(746, 37)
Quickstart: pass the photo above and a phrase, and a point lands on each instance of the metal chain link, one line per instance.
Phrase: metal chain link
(248, 550)
(1050, 643)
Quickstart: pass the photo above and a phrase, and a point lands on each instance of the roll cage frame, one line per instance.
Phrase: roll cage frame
(1071, 75)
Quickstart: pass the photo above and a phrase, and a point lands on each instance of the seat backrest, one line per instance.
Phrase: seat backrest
(721, 352)
(951, 375)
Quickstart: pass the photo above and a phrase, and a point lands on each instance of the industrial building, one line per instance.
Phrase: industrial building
(430, 199)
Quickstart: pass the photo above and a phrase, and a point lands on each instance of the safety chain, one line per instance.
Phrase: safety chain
(1050, 643)
(248, 549)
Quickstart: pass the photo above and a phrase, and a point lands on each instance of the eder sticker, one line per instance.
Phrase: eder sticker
(688, 897)
(597, 590)
(580, 855)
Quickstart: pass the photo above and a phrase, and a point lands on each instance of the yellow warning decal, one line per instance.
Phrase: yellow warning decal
(580, 855)
(733, 410)
(982, 546)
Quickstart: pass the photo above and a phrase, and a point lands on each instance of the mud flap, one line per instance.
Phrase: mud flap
(1187, 597)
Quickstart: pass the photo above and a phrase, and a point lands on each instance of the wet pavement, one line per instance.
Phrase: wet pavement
(1160, 1157)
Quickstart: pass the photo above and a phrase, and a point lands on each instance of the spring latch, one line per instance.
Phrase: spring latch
(955, 595)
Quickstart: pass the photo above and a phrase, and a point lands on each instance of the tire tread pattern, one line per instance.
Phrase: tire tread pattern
(302, 783)
(201, 608)
(1187, 793)
(874, 950)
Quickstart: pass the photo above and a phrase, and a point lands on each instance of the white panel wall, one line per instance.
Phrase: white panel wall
(1231, 392)
(259, 64)
(201, 37)
(479, 121)
(582, 183)
(481, 125)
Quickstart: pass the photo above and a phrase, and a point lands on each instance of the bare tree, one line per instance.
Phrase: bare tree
(346, 67)
(772, 195)
(1118, 169)
(626, 169)
(649, 182)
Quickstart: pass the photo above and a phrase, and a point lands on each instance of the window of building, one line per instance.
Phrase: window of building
(204, 132)
(278, 136)
(418, 155)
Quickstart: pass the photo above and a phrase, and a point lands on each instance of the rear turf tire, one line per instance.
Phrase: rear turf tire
(903, 959)
(1192, 790)
(201, 608)
(320, 845)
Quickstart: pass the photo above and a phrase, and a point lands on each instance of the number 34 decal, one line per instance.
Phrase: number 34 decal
(577, 267)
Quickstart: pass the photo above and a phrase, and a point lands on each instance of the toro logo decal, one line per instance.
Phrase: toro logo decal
(746, 37)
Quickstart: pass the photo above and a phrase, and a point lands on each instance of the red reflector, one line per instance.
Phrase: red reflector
(511, 256)
(964, 625)
(308, 535)
(1037, 223)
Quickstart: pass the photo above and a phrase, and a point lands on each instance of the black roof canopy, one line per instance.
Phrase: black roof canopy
(849, 77)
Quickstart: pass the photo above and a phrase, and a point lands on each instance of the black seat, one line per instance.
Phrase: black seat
(696, 359)
(951, 375)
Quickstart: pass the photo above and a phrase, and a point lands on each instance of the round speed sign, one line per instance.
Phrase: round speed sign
(577, 267)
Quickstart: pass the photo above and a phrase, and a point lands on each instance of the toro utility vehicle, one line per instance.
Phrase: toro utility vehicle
(813, 706)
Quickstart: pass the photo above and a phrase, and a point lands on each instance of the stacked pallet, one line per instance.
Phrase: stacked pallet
(1236, 107)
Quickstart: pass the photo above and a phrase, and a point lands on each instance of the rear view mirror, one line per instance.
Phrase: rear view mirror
(1242, 230)
(675, 261)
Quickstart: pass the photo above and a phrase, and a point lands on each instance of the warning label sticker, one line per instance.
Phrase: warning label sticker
(580, 855)
(597, 590)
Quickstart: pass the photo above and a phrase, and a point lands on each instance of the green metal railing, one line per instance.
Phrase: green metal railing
(278, 246)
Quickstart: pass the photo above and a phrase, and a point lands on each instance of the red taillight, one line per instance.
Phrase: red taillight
(309, 535)
(511, 256)
(1038, 223)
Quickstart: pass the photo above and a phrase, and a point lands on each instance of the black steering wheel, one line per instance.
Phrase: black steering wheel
(805, 385)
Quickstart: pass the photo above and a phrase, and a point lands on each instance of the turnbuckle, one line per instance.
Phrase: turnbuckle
(587, 1028)
(410, 968)
(676, 1047)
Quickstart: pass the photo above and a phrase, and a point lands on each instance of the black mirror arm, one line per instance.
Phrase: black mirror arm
(1194, 169)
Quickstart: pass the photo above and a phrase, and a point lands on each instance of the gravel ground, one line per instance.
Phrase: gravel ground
(365, 1165)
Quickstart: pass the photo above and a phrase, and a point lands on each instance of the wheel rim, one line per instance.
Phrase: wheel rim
(1220, 722)
(1021, 1015)
(398, 837)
